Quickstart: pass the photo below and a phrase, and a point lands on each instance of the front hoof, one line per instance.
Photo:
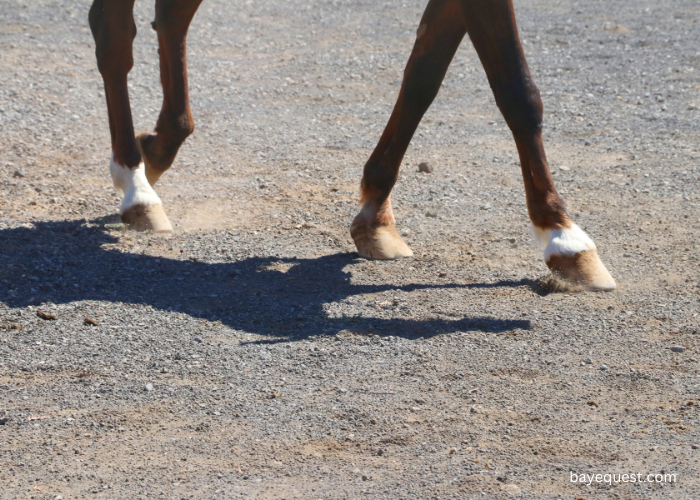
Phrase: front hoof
(142, 218)
(583, 269)
(379, 242)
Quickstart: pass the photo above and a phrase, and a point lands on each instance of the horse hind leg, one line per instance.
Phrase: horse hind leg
(113, 27)
(175, 122)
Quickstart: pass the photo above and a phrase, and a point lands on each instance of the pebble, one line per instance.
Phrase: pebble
(431, 214)
(149, 387)
(425, 167)
(677, 348)
(603, 367)
(19, 173)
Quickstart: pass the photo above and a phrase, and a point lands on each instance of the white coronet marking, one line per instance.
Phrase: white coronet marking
(132, 185)
(564, 242)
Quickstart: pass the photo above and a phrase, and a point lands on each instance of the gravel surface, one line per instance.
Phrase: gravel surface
(253, 354)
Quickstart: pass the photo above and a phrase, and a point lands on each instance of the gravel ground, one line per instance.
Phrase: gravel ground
(253, 354)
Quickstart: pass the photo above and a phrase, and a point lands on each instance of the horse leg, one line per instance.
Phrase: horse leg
(113, 27)
(569, 252)
(175, 122)
(439, 34)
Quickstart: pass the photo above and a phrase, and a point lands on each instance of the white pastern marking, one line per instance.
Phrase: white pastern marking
(541, 236)
(565, 242)
(132, 185)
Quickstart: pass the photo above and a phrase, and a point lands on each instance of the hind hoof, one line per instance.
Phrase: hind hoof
(379, 242)
(141, 218)
(583, 269)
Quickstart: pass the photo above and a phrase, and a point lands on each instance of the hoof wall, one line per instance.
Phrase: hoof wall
(584, 270)
(379, 242)
(142, 218)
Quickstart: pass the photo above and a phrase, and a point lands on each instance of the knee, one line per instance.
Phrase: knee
(520, 103)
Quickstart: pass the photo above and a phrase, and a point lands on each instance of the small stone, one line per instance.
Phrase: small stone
(425, 167)
(677, 348)
(380, 452)
(149, 387)
(431, 214)
(4, 420)
(603, 367)
(565, 169)
(45, 316)
(453, 451)
(19, 173)
(365, 478)
(485, 207)
(91, 322)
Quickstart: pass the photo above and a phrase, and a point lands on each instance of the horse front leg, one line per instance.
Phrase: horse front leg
(175, 122)
(113, 28)
(439, 34)
(568, 251)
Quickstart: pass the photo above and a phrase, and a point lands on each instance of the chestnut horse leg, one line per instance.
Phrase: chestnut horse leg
(569, 252)
(175, 122)
(440, 32)
(112, 25)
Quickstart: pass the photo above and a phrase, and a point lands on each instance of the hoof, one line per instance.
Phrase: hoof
(583, 269)
(141, 218)
(379, 242)
(151, 173)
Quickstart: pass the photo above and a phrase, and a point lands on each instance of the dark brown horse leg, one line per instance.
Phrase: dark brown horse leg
(175, 122)
(113, 28)
(440, 32)
(569, 252)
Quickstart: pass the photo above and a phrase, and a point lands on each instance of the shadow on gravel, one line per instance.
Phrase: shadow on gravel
(62, 262)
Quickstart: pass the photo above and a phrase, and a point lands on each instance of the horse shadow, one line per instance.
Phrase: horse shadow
(283, 298)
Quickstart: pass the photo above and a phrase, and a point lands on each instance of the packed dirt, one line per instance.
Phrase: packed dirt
(252, 354)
